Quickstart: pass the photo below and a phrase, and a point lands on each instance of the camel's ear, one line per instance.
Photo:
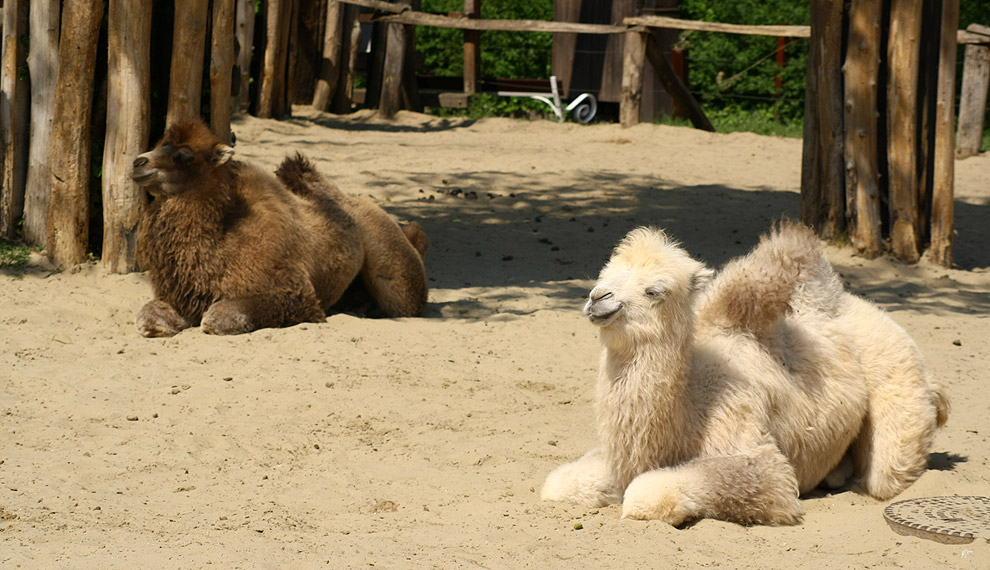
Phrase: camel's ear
(702, 278)
(221, 154)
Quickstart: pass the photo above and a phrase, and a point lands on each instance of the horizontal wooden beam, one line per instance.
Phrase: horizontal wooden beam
(378, 5)
(678, 24)
(463, 23)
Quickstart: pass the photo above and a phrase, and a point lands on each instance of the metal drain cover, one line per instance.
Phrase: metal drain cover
(949, 520)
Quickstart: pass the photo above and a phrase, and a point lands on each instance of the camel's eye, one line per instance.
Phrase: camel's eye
(183, 156)
(656, 293)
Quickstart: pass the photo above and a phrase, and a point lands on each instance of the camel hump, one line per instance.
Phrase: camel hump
(786, 272)
(299, 174)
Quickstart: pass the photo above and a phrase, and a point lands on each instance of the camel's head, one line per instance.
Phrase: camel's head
(648, 282)
(186, 154)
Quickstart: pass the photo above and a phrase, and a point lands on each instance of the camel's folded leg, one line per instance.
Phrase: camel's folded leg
(586, 481)
(752, 488)
(158, 318)
(251, 312)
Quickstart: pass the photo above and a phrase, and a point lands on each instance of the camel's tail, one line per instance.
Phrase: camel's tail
(786, 272)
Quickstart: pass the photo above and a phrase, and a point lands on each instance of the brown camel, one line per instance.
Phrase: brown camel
(230, 248)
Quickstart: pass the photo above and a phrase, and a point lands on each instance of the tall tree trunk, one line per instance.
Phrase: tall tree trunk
(329, 78)
(944, 178)
(245, 42)
(129, 95)
(221, 67)
(393, 69)
(68, 210)
(822, 185)
(43, 69)
(902, 126)
(188, 47)
(862, 70)
(14, 105)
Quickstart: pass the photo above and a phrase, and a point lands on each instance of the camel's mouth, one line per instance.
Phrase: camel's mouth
(143, 177)
(602, 316)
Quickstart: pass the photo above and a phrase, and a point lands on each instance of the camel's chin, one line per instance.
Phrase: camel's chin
(143, 178)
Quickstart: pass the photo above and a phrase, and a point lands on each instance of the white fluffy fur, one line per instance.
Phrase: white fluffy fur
(728, 398)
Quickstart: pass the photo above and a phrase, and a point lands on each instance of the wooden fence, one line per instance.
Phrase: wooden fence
(45, 166)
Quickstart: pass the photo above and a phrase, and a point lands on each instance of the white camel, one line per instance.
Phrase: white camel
(729, 398)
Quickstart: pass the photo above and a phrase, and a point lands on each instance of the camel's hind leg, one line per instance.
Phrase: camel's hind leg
(758, 487)
(892, 449)
(393, 271)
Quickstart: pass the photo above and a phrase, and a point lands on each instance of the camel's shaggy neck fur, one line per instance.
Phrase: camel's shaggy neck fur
(645, 363)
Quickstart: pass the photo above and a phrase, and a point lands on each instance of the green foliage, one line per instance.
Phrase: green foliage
(13, 255)
(737, 73)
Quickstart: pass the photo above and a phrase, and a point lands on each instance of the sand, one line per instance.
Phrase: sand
(423, 442)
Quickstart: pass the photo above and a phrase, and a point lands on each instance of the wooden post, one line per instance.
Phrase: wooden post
(68, 210)
(392, 70)
(632, 76)
(472, 49)
(940, 250)
(350, 41)
(822, 185)
(221, 67)
(129, 95)
(902, 126)
(272, 97)
(326, 85)
(675, 87)
(862, 69)
(14, 105)
(188, 46)
(973, 98)
(245, 41)
(43, 69)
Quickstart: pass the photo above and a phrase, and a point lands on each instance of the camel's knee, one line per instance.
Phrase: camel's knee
(585, 482)
(158, 318)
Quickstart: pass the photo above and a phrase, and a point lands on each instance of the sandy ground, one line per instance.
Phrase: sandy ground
(423, 443)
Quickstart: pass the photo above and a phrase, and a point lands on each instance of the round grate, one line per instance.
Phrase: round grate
(950, 520)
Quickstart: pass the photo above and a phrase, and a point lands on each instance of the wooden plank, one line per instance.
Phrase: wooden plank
(244, 32)
(678, 24)
(273, 53)
(822, 185)
(902, 126)
(189, 45)
(68, 211)
(392, 71)
(43, 69)
(329, 77)
(14, 106)
(861, 70)
(942, 215)
(611, 85)
(973, 100)
(675, 87)
(221, 67)
(391, 7)
(632, 77)
(129, 95)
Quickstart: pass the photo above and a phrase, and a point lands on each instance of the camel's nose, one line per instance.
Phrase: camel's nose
(140, 161)
(599, 293)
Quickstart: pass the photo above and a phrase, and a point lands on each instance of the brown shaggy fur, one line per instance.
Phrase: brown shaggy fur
(229, 247)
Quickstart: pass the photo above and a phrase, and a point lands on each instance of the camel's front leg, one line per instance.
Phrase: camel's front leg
(758, 487)
(586, 481)
(158, 318)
